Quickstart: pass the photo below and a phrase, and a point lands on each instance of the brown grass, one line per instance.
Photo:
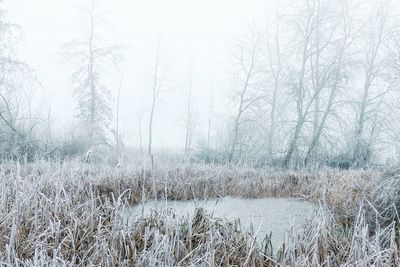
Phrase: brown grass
(54, 214)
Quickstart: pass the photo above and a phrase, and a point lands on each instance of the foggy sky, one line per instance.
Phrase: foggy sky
(193, 33)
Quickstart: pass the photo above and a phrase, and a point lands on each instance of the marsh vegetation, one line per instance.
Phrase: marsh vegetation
(69, 214)
(240, 133)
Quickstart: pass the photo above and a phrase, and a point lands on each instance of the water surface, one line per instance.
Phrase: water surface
(276, 215)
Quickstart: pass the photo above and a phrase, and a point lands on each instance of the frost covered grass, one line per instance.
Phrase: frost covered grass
(68, 214)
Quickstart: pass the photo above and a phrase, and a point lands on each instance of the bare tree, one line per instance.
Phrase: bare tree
(17, 81)
(210, 120)
(274, 62)
(140, 132)
(317, 27)
(305, 27)
(48, 131)
(249, 50)
(391, 113)
(117, 134)
(333, 74)
(158, 78)
(91, 57)
(189, 123)
(373, 66)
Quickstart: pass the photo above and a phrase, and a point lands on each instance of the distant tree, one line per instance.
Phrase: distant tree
(373, 64)
(298, 71)
(116, 132)
(158, 78)
(91, 57)
(189, 111)
(275, 71)
(331, 76)
(210, 118)
(140, 133)
(313, 69)
(244, 83)
(17, 82)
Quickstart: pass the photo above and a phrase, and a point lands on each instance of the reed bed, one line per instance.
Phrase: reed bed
(68, 214)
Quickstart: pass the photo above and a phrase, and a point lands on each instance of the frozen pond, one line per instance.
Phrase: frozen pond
(276, 215)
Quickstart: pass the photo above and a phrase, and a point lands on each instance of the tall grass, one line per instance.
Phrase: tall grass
(68, 214)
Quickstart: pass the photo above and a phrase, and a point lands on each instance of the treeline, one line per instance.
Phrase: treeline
(28, 134)
(317, 83)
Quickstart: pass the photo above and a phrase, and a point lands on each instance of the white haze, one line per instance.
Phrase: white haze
(193, 33)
